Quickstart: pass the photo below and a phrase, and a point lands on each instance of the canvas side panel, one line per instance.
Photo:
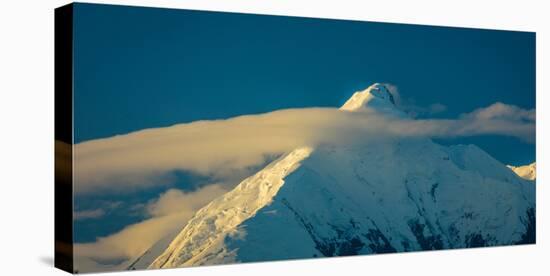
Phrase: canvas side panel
(64, 138)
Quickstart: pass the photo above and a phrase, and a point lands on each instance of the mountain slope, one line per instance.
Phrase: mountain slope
(528, 172)
(391, 195)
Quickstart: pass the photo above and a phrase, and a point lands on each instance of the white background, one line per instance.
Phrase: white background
(27, 122)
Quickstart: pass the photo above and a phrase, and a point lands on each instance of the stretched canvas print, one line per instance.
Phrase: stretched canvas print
(194, 138)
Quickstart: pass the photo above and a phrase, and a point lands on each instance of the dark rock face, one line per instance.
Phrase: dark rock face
(352, 239)
(426, 242)
(475, 240)
(379, 242)
(530, 222)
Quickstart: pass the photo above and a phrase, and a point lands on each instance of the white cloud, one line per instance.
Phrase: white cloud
(110, 252)
(500, 111)
(218, 148)
(175, 201)
(106, 206)
(496, 119)
(409, 105)
(225, 148)
(170, 212)
(436, 108)
(89, 214)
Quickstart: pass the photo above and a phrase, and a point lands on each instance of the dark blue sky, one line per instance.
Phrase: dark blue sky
(139, 68)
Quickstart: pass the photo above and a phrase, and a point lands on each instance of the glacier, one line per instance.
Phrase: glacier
(396, 194)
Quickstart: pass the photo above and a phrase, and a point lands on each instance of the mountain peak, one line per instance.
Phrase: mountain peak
(375, 96)
(382, 91)
(528, 172)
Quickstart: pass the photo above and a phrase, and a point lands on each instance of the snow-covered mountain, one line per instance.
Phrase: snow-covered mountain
(392, 195)
(528, 172)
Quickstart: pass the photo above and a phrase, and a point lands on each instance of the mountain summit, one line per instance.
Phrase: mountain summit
(528, 172)
(375, 96)
(393, 195)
